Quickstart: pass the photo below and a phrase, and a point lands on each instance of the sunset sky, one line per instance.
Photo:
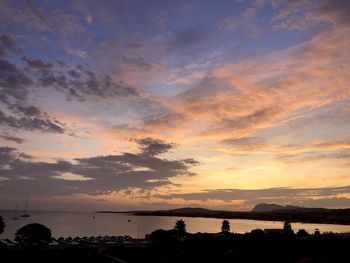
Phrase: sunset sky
(126, 105)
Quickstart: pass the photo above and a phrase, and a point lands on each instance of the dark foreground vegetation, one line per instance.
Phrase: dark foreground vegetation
(176, 245)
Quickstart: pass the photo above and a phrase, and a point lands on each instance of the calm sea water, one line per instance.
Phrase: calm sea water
(73, 224)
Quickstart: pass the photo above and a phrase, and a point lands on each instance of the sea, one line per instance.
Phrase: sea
(72, 224)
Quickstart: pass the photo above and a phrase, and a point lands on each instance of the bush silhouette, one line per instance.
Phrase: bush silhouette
(257, 233)
(302, 233)
(33, 233)
(2, 225)
(225, 226)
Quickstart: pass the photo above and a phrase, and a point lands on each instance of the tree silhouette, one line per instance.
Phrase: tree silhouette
(302, 233)
(2, 225)
(317, 232)
(225, 226)
(33, 233)
(180, 227)
(287, 227)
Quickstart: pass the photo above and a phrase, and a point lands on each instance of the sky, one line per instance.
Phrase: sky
(125, 105)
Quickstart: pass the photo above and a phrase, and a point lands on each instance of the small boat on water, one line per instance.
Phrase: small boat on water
(15, 217)
(25, 214)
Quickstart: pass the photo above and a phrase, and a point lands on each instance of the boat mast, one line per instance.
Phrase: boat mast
(25, 209)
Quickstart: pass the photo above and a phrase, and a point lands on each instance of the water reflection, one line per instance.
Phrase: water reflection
(83, 224)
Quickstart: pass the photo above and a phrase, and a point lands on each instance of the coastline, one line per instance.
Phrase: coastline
(312, 216)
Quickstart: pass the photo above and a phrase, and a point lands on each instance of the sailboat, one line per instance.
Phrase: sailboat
(15, 217)
(25, 214)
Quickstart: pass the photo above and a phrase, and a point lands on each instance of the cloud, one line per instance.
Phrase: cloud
(331, 149)
(257, 119)
(303, 14)
(243, 97)
(13, 82)
(14, 89)
(76, 83)
(12, 138)
(30, 18)
(254, 108)
(228, 24)
(74, 52)
(42, 123)
(7, 44)
(154, 147)
(245, 144)
(93, 175)
(164, 120)
(137, 63)
(89, 19)
(335, 11)
(9, 154)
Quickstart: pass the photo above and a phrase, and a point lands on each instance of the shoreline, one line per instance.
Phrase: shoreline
(305, 218)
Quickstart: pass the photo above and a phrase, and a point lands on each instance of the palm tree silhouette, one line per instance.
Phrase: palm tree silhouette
(180, 227)
(225, 226)
(287, 227)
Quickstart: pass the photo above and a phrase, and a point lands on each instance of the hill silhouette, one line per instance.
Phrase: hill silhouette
(271, 212)
(273, 207)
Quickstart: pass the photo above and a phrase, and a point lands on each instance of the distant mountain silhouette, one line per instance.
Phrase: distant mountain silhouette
(272, 212)
(273, 207)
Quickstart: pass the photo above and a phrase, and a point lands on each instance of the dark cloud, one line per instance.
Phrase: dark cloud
(136, 62)
(95, 175)
(334, 10)
(77, 83)
(154, 147)
(250, 121)
(74, 73)
(30, 111)
(42, 123)
(12, 138)
(37, 64)
(305, 14)
(7, 44)
(13, 82)
(14, 88)
(24, 17)
(245, 143)
(296, 196)
(9, 154)
(73, 52)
